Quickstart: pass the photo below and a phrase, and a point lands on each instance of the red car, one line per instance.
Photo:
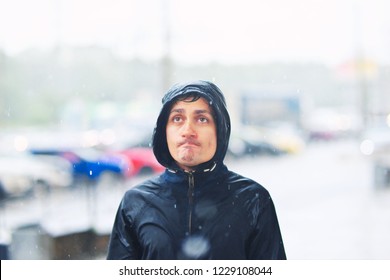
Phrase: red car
(142, 160)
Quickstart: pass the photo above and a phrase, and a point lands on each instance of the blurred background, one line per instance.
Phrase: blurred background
(307, 84)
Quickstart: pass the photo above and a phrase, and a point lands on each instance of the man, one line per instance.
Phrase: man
(197, 209)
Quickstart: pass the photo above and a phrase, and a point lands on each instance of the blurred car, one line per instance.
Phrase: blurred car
(243, 145)
(327, 124)
(20, 173)
(142, 160)
(375, 144)
(3, 193)
(14, 184)
(376, 141)
(273, 139)
(89, 164)
(284, 137)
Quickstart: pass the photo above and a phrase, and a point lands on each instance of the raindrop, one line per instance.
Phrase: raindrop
(206, 209)
(195, 247)
(174, 206)
(90, 172)
(367, 147)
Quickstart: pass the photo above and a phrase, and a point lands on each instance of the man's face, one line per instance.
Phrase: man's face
(191, 133)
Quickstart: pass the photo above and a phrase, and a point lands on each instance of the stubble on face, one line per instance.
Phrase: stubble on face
(187, 150)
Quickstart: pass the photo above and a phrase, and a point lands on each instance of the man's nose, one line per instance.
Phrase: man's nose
(188, 130)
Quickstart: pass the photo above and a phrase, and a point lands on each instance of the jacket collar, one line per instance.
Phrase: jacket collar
(201, 169)
(202, 174)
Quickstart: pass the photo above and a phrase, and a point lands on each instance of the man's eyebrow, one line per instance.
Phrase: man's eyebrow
(197, 112)
(178, 110)
(202, 111)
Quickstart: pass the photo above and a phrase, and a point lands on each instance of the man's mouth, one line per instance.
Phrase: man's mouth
(189, 143)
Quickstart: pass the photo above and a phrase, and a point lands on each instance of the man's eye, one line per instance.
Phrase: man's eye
(203, 120)
(176, 119)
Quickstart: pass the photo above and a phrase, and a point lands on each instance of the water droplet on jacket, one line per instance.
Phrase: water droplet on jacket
(206, 209)
(195, 247)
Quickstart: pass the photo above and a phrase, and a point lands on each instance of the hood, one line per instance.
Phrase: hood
(216, 99)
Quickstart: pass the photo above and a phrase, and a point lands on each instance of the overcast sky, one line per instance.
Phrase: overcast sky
(238, 31)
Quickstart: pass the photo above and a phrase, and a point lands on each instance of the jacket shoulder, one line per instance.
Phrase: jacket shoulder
(242, 182)
(247, 188)
(137, 197)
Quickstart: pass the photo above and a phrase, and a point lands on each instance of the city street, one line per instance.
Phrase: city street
(326, 201)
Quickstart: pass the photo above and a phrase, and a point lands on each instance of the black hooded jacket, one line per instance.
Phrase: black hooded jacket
(208, 213)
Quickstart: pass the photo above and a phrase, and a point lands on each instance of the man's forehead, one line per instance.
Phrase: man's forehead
(200, 104)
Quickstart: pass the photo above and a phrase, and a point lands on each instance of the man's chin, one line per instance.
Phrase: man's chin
(187, 163)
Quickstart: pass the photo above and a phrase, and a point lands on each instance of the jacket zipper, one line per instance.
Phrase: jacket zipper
(191, 186)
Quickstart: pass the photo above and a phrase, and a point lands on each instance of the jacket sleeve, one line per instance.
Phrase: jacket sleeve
(123, 244)
(267, 243)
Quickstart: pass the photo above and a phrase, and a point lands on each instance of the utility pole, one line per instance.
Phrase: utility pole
(361, 68)
(166, 60)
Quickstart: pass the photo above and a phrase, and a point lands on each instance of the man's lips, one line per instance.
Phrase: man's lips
(189, 143)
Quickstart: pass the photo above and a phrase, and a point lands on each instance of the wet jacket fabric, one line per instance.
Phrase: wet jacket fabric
(208, 213)
(215, 214)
